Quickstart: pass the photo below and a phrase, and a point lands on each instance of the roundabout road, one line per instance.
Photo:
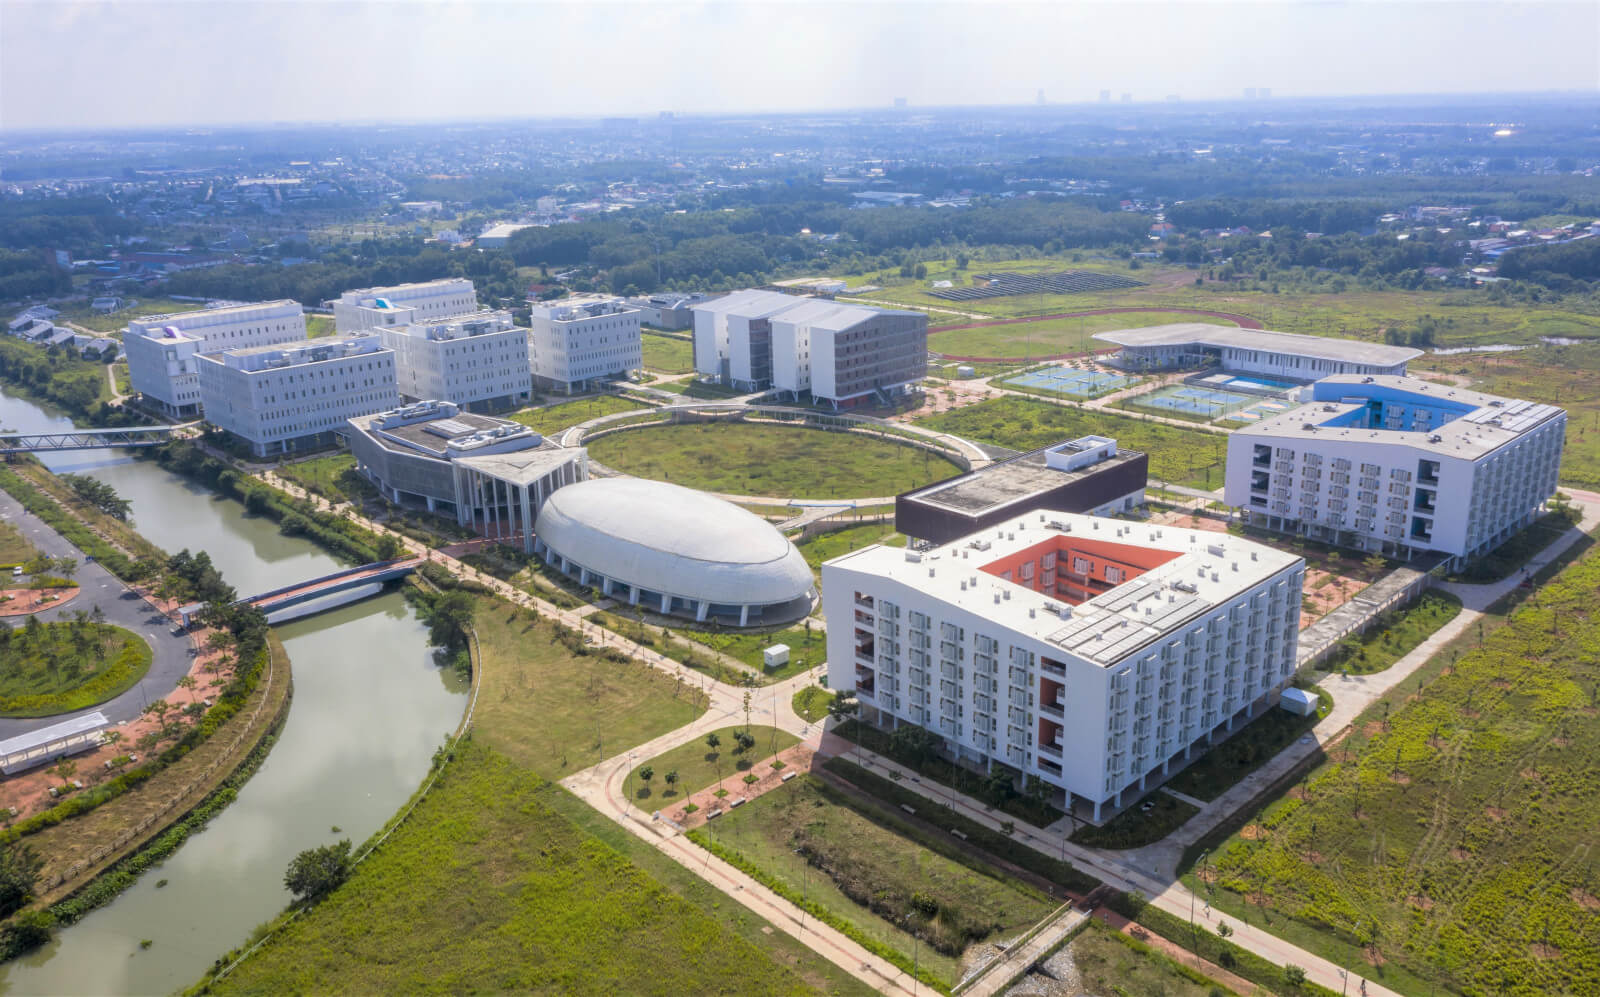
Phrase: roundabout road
(122, 606)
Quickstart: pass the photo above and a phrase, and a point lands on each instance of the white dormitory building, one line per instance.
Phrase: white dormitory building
(575, 342)
(280, 399)
(162, 349)
(478, 361)
(403, 304)
(1399, 465)
(838, 353)
(1096, 655)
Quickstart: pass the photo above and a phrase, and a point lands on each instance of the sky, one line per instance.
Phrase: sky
(146, 62)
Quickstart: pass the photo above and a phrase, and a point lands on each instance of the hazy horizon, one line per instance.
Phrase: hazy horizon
(75, 66)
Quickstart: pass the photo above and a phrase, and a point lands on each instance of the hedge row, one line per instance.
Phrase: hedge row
(69, 526)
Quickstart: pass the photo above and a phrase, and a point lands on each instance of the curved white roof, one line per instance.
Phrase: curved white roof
(671, 539)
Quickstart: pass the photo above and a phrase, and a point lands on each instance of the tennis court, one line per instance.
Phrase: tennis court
(1246, 382)
(1191, 399)
(1076, 383)
(1264, 409)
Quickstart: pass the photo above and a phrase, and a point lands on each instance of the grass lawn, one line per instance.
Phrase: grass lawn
(1449, 841)
(1392, 638)
(556, 710)
(14, 548)
(491, 886)
(668, 354)
(811, 703)
(319, 325)
(866, 866)
(80, 313)
(1216, 771)
(1560, 375)
(808, 645)
(1136, 827)
(334, 477)
(698, 389)
(1177, 455)
(698, 766)
(1105, 961)
(1046, 337)
(551, 419)
(51, 668)
(767, 460)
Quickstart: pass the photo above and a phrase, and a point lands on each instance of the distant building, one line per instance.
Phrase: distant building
(403, 304)
(162, 349)
(667, 311)
(477, 359)
(843, 354)
(575, 342)
(496, 236)
(1398, 465)
(280, 399)
(1087, 475)
(491, 474)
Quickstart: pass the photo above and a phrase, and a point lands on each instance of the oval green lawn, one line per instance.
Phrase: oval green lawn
(51, 668)
(740, 458)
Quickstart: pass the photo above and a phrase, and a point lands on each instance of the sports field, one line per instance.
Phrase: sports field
(1071, 383)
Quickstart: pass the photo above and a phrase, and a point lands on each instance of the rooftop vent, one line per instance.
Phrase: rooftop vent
(1216, 550)
(979, 545)
(913, 556)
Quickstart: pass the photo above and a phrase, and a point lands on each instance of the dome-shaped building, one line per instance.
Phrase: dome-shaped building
(674, 550)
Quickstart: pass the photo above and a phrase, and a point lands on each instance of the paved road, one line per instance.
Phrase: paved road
(122, 606)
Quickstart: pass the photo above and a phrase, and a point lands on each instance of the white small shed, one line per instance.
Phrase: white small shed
(1299, 702)
(775, 656)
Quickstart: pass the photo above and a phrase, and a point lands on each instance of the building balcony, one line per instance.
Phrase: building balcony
(1053, 667)
(1052, 710)
(1053, 750)
(865, 619)
(865, 601)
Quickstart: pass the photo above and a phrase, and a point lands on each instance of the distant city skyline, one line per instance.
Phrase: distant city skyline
(97, 65)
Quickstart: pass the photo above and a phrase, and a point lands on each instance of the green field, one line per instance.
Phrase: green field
(1393, 636)
(862, 865)
(1559, 375)
(334, 477)
(551, 419)
(319, 325)
(811, 703)
(826, 546)
(491, 886)
(668, 354)
(1048, 337)
(14, 548)
(1450, 841)
(51, 668)
(1105, 961)
(81, 314)
(807, 644)
(1177, 455)
(554, 706)
(698, 766)
(767, 460)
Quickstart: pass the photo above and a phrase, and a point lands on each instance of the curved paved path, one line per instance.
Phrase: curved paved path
(122, 606)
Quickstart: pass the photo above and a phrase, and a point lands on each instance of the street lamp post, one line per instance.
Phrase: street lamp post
(1194, 939)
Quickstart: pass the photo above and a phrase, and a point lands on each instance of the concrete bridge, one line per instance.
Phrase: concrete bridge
(317, 589)
(85, 439)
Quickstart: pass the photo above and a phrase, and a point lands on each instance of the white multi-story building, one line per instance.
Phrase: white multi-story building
(403, 304)
(285, 398)
(1096, 655)
(477, 359)
(1291, 356)
(162, 348)
(575, 341)
(843, 354)
(1398, 465)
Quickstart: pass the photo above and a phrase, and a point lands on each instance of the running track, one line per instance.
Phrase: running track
(1242, 321)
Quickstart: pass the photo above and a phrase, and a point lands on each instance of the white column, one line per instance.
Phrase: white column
(744, 615)
(666, 604)
(702, 611)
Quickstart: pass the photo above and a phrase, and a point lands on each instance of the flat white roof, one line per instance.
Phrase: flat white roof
(1485, 422)
(1208, 570)
(88, 723)
(1220, 336)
